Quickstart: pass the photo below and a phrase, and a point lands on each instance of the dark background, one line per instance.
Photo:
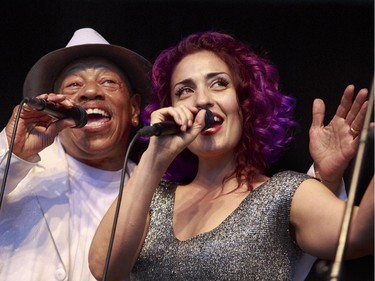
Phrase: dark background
(319, 47)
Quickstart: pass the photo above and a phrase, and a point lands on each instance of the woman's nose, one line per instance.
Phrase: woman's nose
(203, 99)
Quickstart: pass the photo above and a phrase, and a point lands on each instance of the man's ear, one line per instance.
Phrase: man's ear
(135, 103)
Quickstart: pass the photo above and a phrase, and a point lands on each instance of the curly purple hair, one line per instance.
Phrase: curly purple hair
(267, 113)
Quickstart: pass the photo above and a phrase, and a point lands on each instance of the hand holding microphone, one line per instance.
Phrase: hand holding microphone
(170, 127)
(77, 113)
(32, 133)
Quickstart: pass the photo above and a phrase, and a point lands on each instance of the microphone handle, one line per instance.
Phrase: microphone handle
(77, 113)
(165, 128)
(171, 128)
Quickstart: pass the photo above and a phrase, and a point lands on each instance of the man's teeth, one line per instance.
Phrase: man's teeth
(97, 111)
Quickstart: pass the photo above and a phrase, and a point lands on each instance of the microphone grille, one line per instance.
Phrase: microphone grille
(209, 119)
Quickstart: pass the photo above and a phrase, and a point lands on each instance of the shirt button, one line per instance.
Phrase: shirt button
(60, 274)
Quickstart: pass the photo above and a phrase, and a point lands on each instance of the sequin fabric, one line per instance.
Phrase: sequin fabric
(252, 243)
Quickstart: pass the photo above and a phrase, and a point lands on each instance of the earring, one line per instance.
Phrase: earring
(135, 122)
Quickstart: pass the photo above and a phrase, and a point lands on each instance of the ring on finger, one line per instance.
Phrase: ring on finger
(26, 108)
(354, 132)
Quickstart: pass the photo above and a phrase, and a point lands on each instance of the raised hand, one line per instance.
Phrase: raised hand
(333, 146)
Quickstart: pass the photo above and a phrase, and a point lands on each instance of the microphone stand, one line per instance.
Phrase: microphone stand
(336, 266)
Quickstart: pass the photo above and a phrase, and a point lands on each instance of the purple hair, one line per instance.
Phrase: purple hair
(267, 113)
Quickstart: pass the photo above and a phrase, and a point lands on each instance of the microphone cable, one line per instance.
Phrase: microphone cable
(122, 181)
(143, 132)
(10, 151)
(118, 205)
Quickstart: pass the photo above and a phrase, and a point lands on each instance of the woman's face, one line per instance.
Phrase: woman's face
(203, 79)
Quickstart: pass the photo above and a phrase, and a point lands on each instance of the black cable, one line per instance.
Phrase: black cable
(10, 152)
(123, 174)
(115, 219)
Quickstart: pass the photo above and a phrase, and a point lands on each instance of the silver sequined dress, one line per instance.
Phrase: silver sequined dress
(253, 243)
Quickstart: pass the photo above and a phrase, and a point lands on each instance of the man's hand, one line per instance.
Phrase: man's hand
(36, 130)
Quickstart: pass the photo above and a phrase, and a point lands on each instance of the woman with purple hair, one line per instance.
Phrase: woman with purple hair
(199, 206)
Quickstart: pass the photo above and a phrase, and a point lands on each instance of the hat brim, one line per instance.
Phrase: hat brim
(41, 77)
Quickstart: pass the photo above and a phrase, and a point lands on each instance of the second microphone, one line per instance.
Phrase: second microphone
(171, 128)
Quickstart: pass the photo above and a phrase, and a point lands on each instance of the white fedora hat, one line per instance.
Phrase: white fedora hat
(86, 42)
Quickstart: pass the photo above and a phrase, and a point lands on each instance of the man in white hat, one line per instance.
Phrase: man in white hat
(62, 179)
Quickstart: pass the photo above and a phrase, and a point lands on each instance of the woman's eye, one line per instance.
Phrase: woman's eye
(220, 83)
(183, 90)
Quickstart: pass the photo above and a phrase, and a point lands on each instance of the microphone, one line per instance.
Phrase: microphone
(170, 127)
(77, 113)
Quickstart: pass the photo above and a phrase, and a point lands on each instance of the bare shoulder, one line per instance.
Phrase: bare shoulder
(312, 187)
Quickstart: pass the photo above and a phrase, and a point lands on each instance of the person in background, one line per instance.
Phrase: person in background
(62, 179)
(199, 205)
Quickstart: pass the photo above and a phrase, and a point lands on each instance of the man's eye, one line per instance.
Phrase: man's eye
(73, 85)
(111, 85)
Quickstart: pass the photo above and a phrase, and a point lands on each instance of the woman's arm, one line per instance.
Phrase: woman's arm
(132, 223)
(316, 214)
(133, 220)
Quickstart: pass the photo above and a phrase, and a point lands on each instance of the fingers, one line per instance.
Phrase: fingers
(200, 119)
(41, 121)
(349, 109)
(57, 98)
(358, 120)
(318, 113)
(358, 109)
(353, 111)
(29, 114)
(346, 102)
(181, 115)
(187, 117)
(357, 124)
(34, 110)
(59, 125)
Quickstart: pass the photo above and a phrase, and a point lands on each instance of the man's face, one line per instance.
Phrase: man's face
(102, 89)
